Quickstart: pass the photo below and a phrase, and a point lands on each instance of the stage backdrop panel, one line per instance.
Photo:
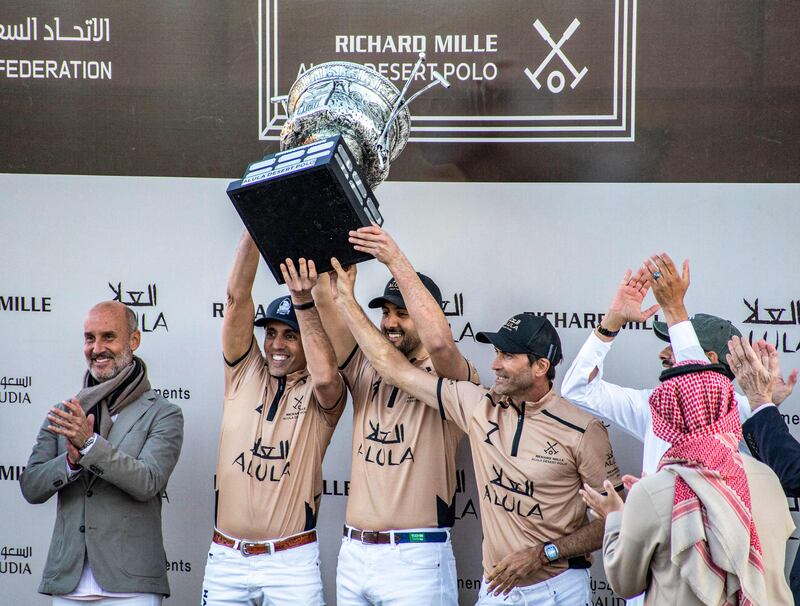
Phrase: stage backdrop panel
(164, 247)
(593, 90)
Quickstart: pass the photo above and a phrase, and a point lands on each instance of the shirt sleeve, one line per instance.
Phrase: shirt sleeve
(241, 370)
(474, 377)
(629, 544)
(332, 412)
(358, 374)
(685, 344)
(458, 400)
(595, 458)
(626, 408)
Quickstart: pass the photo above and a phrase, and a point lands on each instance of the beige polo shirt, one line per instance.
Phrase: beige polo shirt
(403, 472)
(273, 438)
(530, 461)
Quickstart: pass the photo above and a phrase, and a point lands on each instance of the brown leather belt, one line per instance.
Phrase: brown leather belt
(370, 537)
(377, 537)
(250, 548)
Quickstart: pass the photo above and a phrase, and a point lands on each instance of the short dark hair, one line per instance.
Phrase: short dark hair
(551, 371)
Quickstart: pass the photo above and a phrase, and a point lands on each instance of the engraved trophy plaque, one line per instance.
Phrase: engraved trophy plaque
(346, 124)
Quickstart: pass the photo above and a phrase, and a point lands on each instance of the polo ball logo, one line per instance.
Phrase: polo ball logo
(285, 307)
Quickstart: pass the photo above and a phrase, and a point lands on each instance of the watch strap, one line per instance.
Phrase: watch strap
(605, 332)
(303, 306)
(88, 444)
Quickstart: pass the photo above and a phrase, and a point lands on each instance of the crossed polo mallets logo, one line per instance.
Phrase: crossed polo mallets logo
(555, 80)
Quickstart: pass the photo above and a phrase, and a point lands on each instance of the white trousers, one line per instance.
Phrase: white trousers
(570, 588)
(405, 574)
(143, 599)
(284, 578)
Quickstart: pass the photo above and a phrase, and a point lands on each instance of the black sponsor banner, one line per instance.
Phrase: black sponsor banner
(542, 90)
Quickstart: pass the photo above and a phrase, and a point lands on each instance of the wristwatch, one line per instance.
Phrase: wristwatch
(605, 332)
(87, 444)
(550, 552)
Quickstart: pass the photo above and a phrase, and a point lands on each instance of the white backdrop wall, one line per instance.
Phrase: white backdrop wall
(494, 249)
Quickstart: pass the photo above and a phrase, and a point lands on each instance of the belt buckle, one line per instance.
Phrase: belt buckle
(370, 536)
(244, 547)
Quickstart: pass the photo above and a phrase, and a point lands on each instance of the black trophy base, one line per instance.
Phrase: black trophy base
(303, 202)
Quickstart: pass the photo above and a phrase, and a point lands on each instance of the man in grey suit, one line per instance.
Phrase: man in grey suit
(107, 453)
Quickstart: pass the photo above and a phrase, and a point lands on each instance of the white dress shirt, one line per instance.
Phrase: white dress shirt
(626, 408)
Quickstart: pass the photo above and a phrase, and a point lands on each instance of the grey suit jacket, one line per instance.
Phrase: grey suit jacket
(112, 510)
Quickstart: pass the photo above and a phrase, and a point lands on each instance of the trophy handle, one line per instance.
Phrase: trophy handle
(283, 100)
(381, 147)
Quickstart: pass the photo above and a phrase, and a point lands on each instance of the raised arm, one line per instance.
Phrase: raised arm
(237, 325)
(583, 383)
(320, 357)
(337, 330)
(669, 286)
(434, 330)
(387, 360)
(626, 306)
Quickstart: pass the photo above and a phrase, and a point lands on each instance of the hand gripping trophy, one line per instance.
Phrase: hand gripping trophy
(345, 124)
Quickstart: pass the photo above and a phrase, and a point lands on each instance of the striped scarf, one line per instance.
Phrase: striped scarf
(714, 541)
(107, 398)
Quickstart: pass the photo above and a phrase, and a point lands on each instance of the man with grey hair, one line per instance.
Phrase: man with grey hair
(107, 453)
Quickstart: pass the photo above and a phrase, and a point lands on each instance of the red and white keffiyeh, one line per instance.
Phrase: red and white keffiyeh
(714, 540)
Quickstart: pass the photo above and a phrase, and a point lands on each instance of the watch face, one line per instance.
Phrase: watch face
(551, 552)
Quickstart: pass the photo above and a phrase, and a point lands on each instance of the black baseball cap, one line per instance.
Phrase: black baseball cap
(391, 294)
(281, 310)
(712, 332)
(526, 333)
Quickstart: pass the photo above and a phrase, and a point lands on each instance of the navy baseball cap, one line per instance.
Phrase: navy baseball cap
(712, 332)
(280, 310)
(391, 294)
(526, 333)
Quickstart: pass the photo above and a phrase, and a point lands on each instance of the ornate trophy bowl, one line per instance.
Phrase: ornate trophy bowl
(345, 124)
(355, 102)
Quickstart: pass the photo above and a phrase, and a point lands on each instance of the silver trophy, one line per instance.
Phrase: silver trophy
(345, 124)
(359, 104)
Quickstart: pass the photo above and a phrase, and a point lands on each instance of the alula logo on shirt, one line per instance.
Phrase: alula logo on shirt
(551, 448)
(381, 452)
(265, 463)
(511, 495)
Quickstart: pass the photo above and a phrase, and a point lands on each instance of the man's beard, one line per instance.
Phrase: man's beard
(514, 385)
(120, 363)
(408, 344)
